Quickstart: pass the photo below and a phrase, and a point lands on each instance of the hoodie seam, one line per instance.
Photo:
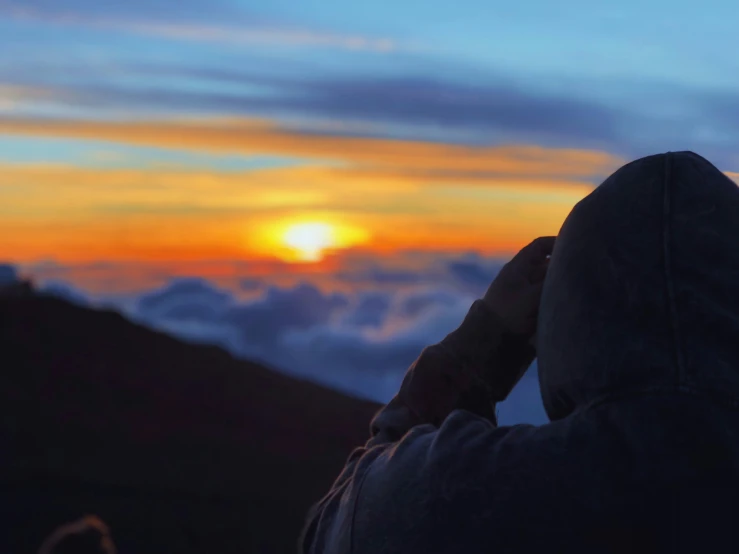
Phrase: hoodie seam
(669, 282)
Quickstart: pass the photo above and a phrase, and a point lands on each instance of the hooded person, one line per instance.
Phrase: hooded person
(635, 318)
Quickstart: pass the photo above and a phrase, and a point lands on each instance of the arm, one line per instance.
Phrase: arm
(474, 367)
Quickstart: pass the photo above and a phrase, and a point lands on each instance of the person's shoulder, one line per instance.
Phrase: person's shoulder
(466, 434)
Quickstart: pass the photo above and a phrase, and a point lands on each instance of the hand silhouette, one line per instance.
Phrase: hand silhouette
(515, 293)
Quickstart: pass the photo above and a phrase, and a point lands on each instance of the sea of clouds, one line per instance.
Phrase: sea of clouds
(356, 329)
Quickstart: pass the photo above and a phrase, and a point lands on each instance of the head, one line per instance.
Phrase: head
(642, 289)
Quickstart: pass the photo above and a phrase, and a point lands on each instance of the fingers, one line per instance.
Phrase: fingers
(542, 246)
(535, 258)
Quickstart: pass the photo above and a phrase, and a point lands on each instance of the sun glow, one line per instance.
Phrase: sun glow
(309, 240)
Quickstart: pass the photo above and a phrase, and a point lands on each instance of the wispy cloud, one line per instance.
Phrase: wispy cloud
(481, 112)
(96, 213)
(402, 193)
(243, 36)
(423, 107)
(413, 159)
(472, 107)
(12, 95)
(155, 21)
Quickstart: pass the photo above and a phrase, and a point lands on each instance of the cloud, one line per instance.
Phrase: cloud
(368, 347)
(469, 273)
(479, 106)
(303, 307)
(13, 95)
(418, 303)
(65, 291)
(239, 277)
(222, 22)
(482, 112)
(251, 284)
(360, 340)
(185, 299)
(422, 160)
(79, 9)
(380, 276)
(245, 36)
(175, 190)
(474, 275)
(8, 274)
(489, 111)
(501, 109)
(399, 194)
(486, 109)
(371, 310)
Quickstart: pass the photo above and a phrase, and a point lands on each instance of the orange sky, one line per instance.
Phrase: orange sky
(379, 194)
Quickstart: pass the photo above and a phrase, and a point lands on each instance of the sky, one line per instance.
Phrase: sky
(325, 185)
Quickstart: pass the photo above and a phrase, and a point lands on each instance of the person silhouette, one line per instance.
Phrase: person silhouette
(633, 314)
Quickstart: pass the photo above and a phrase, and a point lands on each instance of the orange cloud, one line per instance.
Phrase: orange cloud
(420, 160)
(400, 194)
(72, 213)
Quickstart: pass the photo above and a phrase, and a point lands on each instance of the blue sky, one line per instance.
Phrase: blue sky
(631, 78)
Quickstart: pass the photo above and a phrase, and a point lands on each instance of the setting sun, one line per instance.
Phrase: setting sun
(309, 240)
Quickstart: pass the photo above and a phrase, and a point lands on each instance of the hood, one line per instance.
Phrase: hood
(642, 289)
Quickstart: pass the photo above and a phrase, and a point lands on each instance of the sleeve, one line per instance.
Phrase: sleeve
(468, 372)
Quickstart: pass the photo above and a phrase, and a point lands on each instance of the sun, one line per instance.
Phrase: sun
(309, 240)
(306, 239)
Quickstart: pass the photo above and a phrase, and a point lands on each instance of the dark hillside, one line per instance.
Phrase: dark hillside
(177, 447)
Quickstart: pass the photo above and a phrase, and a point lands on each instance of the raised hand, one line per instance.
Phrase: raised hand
(515, 293)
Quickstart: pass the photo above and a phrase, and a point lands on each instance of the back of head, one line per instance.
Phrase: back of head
(642, 290)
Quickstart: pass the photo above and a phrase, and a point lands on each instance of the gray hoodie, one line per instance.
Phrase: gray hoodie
(638, 354)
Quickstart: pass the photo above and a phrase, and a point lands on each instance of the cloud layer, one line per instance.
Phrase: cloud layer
(359, 339)
(319, 109)
(164, 59)
(411, 158)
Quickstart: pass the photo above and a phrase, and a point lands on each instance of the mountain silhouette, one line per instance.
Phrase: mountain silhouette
(177, 447)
